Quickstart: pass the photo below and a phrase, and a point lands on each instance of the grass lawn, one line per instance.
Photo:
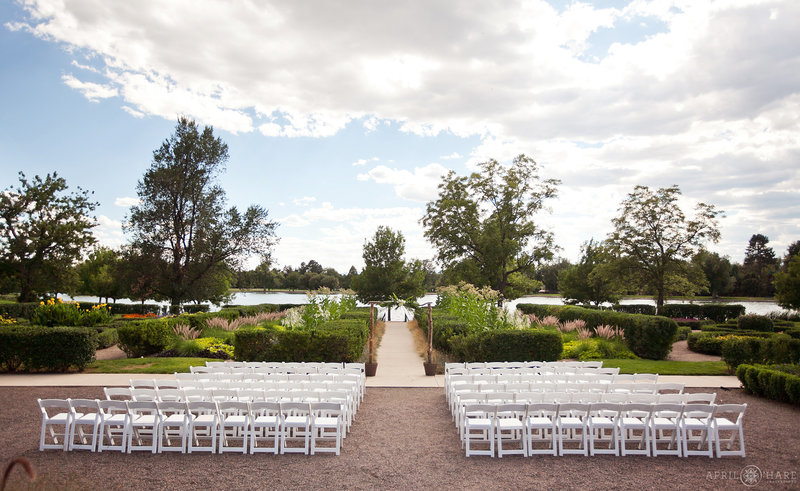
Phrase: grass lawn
(665, 367)
(145, 365)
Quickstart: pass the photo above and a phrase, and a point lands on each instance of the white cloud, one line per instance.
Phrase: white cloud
(419, 185)
(108, 232)
(126, 201)
(304, 201)
(362, 162)
(708, 99)
(93, 92)
(454, 155)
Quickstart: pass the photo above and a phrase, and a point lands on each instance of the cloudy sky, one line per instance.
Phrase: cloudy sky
(341, 119)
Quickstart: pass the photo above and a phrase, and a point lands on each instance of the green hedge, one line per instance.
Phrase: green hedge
(767, 381)
(749, 350)
(706, 343)
(753, 322)
(18, 310)
(648, 336)
(445, 326)
(52, 349)
(147, 337)
(508, 345)
(636, 308)
(127, 308)
(342, 340)
(715, 312)
(793, 332)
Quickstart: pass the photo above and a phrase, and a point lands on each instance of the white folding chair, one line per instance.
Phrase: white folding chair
(112, 434)
(56, 422)
(728, 419)
(143, 383)
(234, 425)
(149, 395)
(604, 428)
(167, 383)
(572, 426)
(510, 429)
(665, 428)
(203, 423)
(144, 423)
(170, 395)
(651, 378)
(697, 429)
(634, 426)
(295, 426)
(265, 420)
(174, 425)
(118, 393)
(326, 426)
(479, 428)
(85, 424)
(540, 428)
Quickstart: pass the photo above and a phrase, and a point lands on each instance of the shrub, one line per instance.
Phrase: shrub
(508, 345)
(22, 310)
(596, 349)
(50, 349)
(56, 312)
(705, 343)
(752, 322)
(337, 341)
(646, 335)
(793, 332)
(639, 308)
(715, 312)
(738, 350)
(145, 337)
(107, 337)
(683, 332)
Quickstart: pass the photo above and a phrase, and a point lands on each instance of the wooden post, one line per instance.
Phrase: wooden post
(430, 331)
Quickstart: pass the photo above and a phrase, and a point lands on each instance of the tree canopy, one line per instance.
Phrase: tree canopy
(787, 284)
(43, 231)
(654, 237)
(385, 272)
(594, 280)
(182, 226)
(482, 226)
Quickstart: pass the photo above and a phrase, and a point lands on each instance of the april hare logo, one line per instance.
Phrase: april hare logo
(751, 475)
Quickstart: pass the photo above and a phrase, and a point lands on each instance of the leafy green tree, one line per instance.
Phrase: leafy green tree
(182, 223)
(759, 268)
(718, 272)
(484, 224)
(549, 272)
(655, 239)
(594, 280)
(791, 251)
(385, 272)
(100, 274)
(43, 231)
(787, 285)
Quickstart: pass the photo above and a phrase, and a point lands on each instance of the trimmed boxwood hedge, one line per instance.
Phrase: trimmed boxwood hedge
(648, 336)
(714, 311)
(341, 340)
(767, 381)
(52, 349)
(18, 310)
(772, 350)
(753, 322)
(508, 345)
(146, 337)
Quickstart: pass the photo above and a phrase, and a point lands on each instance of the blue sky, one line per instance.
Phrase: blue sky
(341, 120)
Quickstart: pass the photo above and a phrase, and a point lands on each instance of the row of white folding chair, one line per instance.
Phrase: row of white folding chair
(330, 393)
(555, 378)
(608, 428)
(281, 365)
(613, 388)
(185, 380)
(467, 398)
(525, 364)
(98, 425)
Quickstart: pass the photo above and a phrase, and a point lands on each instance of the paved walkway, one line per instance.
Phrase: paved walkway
(399, 365)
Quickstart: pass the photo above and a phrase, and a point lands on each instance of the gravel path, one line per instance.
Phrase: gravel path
(401, 439)
(681, 352)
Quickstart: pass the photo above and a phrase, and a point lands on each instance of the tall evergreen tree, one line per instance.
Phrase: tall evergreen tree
(182, 223)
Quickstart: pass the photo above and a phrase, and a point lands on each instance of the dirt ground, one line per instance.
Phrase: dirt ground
(680, 352)
(401, 439)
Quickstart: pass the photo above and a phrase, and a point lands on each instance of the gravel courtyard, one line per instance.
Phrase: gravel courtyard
(401, 439)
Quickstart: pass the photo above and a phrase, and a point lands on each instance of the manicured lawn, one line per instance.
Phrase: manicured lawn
(664, 367)
(145, 365)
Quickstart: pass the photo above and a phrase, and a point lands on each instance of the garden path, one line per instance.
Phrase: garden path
(399, 364)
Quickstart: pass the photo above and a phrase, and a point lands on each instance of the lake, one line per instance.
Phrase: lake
(253, 298)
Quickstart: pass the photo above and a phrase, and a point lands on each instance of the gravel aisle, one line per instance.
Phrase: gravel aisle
(401, 439)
